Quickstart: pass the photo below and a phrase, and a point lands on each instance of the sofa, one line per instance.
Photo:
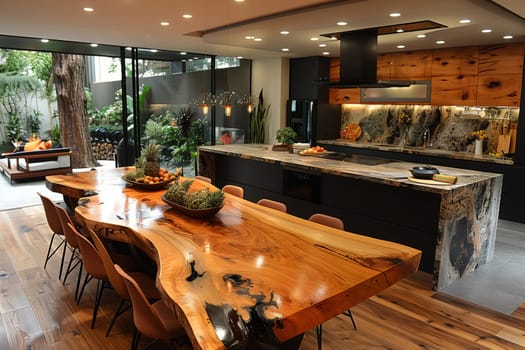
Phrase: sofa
(22, 165)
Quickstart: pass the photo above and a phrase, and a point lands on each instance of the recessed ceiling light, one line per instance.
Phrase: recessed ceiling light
(322, 45)
(420, 36)
(257, 39)
(314, 39)
(395, 14)
(284, 32)
(153, 50)
(399, 31)
(326, 53)
(249, 37)
(164, 24)
(487, 30)
(333, 38)
(183, 53)
(285, 49)
(44, 40)
(239, 0)
(240, 57)
(187, 16)
(508, 37)
(440, 42)
(342, 23)
(401, 46)
(464, 21)
(88, 9)
(93, 45)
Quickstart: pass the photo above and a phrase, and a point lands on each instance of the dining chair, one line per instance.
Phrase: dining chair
(155, 321)
(272, 204)
(203, 178)
(327, 220)
(75, 259)
(53, 221)
(94, 269)
(337, 223)
(145, 281)
(234, 190)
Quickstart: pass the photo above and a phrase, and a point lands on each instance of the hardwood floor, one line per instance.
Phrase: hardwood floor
(38, 312)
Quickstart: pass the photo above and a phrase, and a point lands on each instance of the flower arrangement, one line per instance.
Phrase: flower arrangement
(479, 135)
(404, 118)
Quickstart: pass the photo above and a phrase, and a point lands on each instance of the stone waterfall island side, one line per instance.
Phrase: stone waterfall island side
(454, 225)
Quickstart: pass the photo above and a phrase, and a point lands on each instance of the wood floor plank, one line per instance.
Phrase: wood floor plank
(38, 310)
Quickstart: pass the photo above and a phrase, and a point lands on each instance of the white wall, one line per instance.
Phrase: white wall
(272, 75)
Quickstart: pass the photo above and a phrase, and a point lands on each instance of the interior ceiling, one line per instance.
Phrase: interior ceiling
(220, 26)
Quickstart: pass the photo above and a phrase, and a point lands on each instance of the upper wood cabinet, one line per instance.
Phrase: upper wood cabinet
(412, 65)
(470, 76)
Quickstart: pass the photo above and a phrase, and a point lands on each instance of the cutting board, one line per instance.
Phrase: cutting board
(504, 143)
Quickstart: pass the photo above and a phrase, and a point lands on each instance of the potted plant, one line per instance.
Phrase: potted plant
(257, 120)
(286, 138)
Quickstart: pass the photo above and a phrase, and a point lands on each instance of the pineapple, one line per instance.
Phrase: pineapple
(151, 154)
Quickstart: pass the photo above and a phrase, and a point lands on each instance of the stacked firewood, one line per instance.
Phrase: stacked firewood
(104, 150)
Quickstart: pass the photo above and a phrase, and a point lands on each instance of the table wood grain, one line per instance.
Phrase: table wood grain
(248, 274)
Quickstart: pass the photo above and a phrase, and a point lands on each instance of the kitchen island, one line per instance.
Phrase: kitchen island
(454, 225)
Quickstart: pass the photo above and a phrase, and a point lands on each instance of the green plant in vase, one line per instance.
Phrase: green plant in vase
(286, 137)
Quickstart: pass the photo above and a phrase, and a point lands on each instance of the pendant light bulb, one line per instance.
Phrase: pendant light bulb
(205, 108)
(228, 110)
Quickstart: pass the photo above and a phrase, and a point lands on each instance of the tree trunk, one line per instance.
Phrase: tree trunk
(68, 74)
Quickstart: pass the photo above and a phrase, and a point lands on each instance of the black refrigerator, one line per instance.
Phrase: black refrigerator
(313, 121)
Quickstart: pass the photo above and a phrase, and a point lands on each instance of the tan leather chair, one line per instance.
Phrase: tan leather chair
(203, 178)
(145, 281)
(75, 259)
(272, 204)
(53, 221)
(155, 321)
(234, 190)
(94, 269)
(337, 223)
(328, 220)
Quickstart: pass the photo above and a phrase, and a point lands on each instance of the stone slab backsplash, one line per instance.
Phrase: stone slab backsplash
(450, 127)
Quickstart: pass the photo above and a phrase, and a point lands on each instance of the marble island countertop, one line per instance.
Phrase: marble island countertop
(427, 151)
(380, 170)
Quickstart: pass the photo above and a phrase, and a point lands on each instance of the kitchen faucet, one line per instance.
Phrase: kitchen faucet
(426, 139)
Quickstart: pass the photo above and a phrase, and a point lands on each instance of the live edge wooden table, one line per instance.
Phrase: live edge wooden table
(248, 277)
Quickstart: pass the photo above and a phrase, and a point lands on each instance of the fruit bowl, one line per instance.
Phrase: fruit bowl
(149, 186)
(196, 213)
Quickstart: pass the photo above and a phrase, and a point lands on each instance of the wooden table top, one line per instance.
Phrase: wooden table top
(247, 268)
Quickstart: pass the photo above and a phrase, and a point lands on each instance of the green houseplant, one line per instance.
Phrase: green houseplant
(257, 120)
(286, 137)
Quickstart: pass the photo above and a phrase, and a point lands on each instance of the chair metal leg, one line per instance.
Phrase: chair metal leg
(319, 331)
(135, 340)
(70, 266)
(51, 253)
(86, 281)
(77, 288)
(349, 314)
(62, 262)
(98, 297)
(121, 309)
